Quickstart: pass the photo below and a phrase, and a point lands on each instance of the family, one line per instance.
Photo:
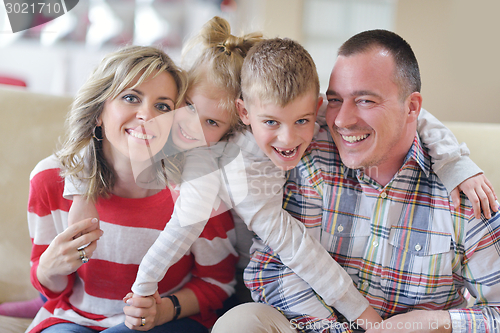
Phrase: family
(355, 210)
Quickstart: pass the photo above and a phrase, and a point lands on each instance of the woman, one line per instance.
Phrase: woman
(85, 287)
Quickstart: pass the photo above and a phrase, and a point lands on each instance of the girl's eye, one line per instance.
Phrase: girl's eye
(190, 106)
(162, 107)
(302, 121)
(131, 98)
(271, 122)
(212, 122)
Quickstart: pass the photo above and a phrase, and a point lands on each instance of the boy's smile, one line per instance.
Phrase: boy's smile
(282, 133)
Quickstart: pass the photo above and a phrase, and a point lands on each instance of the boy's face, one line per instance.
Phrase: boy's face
(282, 133)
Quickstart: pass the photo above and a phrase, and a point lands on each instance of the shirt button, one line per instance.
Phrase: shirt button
(365, 284)
(418, 247)
(340, 228)
(383, 195)
(375, 243)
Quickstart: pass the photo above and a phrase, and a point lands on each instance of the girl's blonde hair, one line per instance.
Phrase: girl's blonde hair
(218, 68)
(81, 153)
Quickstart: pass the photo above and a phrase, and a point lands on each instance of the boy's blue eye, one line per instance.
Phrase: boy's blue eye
(302, 121)
(271, 122)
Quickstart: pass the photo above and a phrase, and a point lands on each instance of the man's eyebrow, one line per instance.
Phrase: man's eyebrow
(365, 93)
(355, 93)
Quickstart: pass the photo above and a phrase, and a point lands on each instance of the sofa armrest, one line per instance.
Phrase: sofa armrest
(31, 124)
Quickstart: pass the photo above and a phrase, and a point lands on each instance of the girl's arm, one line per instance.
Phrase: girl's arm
(197, 197)
(451, 162)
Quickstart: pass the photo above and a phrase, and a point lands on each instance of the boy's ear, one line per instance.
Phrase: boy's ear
(320, 102)
(414, 106)
(242, 111)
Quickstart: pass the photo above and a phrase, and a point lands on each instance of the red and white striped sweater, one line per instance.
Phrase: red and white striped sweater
(95, 291)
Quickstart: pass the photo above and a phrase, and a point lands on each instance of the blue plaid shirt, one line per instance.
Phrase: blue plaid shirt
(403, 244)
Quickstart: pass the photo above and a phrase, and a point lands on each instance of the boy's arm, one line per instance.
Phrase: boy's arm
(261, 210)
(451, 162)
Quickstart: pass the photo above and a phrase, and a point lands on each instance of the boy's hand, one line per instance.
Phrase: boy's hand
(82, 209)
(480, 193)
(368, 318)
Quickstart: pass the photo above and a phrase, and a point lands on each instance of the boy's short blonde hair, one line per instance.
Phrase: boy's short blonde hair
(278, 71)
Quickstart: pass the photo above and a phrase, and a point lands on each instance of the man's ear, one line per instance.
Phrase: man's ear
(242, 111)
(414, 106)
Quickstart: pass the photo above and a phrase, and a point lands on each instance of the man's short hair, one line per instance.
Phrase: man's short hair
(407, 72)
(278, 71)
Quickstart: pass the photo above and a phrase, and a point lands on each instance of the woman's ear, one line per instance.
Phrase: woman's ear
(242, 111)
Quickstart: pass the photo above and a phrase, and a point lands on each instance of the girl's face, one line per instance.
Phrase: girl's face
(202, 122)
(128, 127)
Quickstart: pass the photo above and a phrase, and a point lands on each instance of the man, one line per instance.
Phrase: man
(366, 190)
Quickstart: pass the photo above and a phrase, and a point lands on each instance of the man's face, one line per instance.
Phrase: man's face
(282, 133)
(366, 117)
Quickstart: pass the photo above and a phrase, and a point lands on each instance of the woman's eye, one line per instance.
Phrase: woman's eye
(271, 122)
(302, 121)
(162, 107)
(131, 98)
(212, 122)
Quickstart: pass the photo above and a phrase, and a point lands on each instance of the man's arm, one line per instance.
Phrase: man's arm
(477, 252)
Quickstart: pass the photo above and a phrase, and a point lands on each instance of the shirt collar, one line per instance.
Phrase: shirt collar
(416, 153)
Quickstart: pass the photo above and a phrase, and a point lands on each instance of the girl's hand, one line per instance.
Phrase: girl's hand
(62, 257)
(480, 193)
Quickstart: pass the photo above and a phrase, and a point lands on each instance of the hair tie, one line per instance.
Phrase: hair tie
(224, 48)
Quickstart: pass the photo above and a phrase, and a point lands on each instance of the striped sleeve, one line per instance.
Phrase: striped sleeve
(46, 209)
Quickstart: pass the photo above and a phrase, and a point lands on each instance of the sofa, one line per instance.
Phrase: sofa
(31, 126)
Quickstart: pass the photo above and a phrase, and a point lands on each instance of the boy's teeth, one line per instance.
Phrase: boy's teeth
(352, 138)
(140, 135)
(287, 153)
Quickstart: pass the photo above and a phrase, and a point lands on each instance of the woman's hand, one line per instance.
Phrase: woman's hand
(141, 312)
(62, 256)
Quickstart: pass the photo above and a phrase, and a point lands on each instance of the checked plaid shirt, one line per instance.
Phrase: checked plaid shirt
(403, 244)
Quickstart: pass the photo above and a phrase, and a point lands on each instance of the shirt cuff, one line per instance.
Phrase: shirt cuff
(465, 321)
(454, 173)
(352, 303)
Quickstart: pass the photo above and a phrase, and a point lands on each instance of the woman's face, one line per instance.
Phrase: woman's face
(137, 122)
(202, 122)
